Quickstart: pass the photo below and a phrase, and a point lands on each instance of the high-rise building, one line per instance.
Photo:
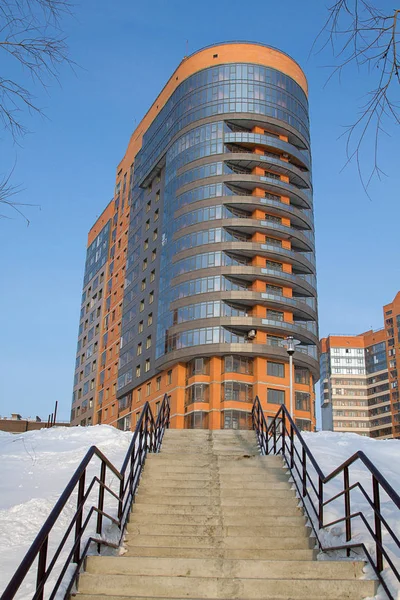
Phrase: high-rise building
(359, 383)
(210, 258)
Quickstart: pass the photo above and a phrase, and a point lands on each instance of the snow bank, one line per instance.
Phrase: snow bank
(34, 469)
(331, 450)
(36, 466)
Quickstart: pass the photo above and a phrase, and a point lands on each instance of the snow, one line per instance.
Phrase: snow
(35, 467)
(331, 450)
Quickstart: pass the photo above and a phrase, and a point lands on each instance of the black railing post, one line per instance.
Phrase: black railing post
(378, 524)
(41, 568)
(320, 502)
(304, 478)
(283, 434)
(101, 497)
(291, 446)
(121, 500)
(346, 483)
(274, 430)
(78, 524)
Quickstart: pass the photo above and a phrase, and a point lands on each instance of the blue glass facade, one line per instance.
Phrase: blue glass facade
(205, 212)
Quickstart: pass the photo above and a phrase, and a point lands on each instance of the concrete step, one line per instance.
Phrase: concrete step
(113, 597)
(153, 492)
(211, 567)
(228, 553)
(138, 518)
(158, 476)
(134, 529)
(206, 500)
(234, 542)
(164, 485)
(251, 589)
(264, 511)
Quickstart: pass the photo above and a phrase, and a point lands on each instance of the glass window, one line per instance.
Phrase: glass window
(275, 396)
(275, 369)
(235, 419)
(238, 391)
(199, 392)
(197, 366)
(302, 401)
(238, 364)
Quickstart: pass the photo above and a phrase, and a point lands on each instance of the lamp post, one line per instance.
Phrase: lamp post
(291, 344)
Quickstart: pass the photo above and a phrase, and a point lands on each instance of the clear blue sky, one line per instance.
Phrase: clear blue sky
(126, 51)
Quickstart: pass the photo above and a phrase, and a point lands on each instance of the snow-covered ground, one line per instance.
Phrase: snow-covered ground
(36, 466)
(34, 469)
(331, 450)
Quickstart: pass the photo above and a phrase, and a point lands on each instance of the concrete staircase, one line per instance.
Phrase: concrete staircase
(214, 519)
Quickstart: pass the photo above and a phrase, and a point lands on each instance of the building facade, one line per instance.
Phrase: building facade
(359, 382)
(211, 256)
(354, 384)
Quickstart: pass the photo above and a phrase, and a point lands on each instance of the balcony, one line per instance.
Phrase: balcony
(269, 142)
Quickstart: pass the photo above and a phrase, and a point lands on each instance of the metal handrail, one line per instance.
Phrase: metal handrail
(147, 437)
(278, 438)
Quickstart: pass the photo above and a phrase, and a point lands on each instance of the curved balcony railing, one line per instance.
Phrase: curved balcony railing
(265, 140)
(309, 256)
(294, 327)
(293, 277)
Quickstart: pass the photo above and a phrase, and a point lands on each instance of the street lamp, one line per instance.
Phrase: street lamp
(291, 344)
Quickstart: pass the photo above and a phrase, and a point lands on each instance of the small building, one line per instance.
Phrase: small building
(17, 424)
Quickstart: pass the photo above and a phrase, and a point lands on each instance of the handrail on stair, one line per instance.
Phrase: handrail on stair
(278, 437)
(147, 437)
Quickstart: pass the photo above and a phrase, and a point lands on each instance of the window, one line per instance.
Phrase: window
(140, 327)
(144, 264)
(302, 401)
(147, 225)
(146, 244)
(151, 297)
(143, 286)
(197, 366)
(147, 366)
(169, 377)
(199, 392)
(150, 319)
(158, 196)
(273, 241)
(148, 342)
(276, 396)
(304, 424)
(238, 364)
(158, 383)
(274, 265)
(153, 275)
(139, 349)
(301, 375)
(156, 214)
(274, 289)
(155, 234)
(153, 255)
(236, 390)
(274, 315)
(148, 206)
(157, 408)
(139, 395)
(148, 389)
(141, 308)
(138, 371)
(275, 369)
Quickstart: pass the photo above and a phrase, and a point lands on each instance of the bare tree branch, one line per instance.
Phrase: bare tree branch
(360, 33)
(31, 43)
